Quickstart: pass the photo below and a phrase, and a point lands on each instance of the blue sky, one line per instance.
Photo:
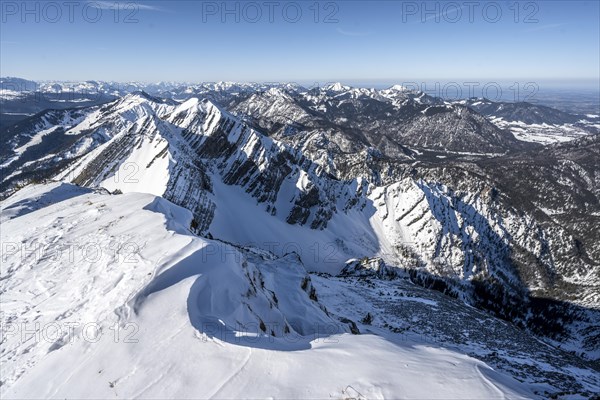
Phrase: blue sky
(350, 41)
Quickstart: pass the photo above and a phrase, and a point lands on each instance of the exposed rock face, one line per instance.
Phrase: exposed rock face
(513, 234)
(388, 120)
(369, 267)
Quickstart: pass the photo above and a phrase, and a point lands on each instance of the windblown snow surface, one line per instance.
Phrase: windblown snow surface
(111, 296)
(116, 295)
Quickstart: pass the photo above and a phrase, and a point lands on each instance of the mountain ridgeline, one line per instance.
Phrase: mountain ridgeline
(435, 190)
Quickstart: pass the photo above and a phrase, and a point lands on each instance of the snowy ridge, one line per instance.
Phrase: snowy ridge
(173, 149)
(388, 120)
(164, 331)
(206, 160)
(331, 181)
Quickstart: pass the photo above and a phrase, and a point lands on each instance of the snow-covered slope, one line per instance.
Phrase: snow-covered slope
(250, 189)
(535, 123)
(120, 299)
(181, 151)
(215, 239)
(387, 120)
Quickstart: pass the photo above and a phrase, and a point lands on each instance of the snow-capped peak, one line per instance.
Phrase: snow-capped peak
(336, 87)
(277, 92)
(400, 88)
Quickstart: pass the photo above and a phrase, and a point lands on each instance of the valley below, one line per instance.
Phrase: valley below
(249, 241)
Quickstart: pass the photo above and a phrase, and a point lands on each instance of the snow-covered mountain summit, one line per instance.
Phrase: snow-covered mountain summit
(160, 312)
(369, 185)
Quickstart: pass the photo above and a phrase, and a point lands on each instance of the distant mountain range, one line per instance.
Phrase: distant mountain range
(387, 184)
